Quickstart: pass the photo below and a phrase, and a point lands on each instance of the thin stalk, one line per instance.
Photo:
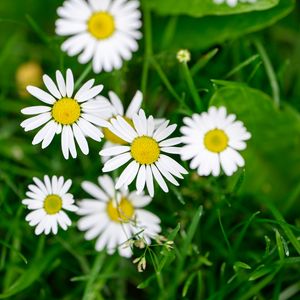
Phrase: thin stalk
(192, 87)
(270, 71)
(148, 48)
(165, 80)
(83, 75)
(97, 266)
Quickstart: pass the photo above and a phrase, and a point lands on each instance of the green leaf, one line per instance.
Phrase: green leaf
(202, 33)
(274, 132)
(32, 274)
(198, 8)
(262, 271)
(240, 265)
(279, 245)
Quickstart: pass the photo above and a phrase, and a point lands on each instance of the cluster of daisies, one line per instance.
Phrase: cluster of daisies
(140, 148)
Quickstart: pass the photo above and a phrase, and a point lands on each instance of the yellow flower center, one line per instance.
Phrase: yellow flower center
(145, 150)
(109, 136)
(66, 111)
(52, 204)
(122, 212)
(216, 140)
(101, 25)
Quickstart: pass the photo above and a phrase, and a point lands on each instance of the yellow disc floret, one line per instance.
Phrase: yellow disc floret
(121, 212)
(52, 204)
(66, 111)
(145, 150)
(101, 25)
(111, 137)
(216, 140)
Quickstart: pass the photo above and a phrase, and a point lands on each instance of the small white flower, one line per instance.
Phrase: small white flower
(117, 109)
(105, 31)
(74, 116)
(48, 200)
(233, 3)
(183, 56)
(212, 141)
(146, 152)
(114, 217)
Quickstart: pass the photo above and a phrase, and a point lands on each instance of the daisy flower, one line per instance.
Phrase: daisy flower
(114, 217)
(233, 3)
(213, 140)
(146, 151)
(117, 108)
(104, 31)
(48, 200)
(72, 116)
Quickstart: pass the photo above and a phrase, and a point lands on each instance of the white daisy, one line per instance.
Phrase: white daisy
(117, 109)
(146, 150)
(74, 116)
(115, 216)
(105, 31)
(48, 200)
(233, 3)
(212, 141)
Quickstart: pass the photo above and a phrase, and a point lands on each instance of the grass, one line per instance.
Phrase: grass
(228, 243)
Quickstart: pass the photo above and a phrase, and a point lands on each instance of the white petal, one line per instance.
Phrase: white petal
(89, 94)
(90, 130)
(149, 181)
(70, 83)
(107, 184)
(170, 142)
(116, 150)
(164, 133)
(61, 83)
(159, 179)
(141, 179)
(65, 142)
(116, 162)
(51, 86)
(116, 102)
(40, 94)
(128, 175)
(80, 139)
(135, 104)
(35, 110)
(94, 190)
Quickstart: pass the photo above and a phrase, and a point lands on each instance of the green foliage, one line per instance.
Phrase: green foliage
(201, 33)
(199, 8)
(229, 238)
(268, 173)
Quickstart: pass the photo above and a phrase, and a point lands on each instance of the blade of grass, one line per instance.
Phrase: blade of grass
(98, 264)
(270, 71)
(171, 292)
(242, 65)
(203, 61)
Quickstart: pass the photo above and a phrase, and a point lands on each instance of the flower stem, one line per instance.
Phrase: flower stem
(148, 48)
(98, 263)
(83, 75)
(191, 84)
(270, 71)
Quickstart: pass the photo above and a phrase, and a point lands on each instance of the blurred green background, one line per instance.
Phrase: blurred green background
(246, 246)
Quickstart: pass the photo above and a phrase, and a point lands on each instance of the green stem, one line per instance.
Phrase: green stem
(98, 263)
(165, 80)
(148, 48)
(83, 75)
(192, 87)
(270, 71)
(278, 216)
